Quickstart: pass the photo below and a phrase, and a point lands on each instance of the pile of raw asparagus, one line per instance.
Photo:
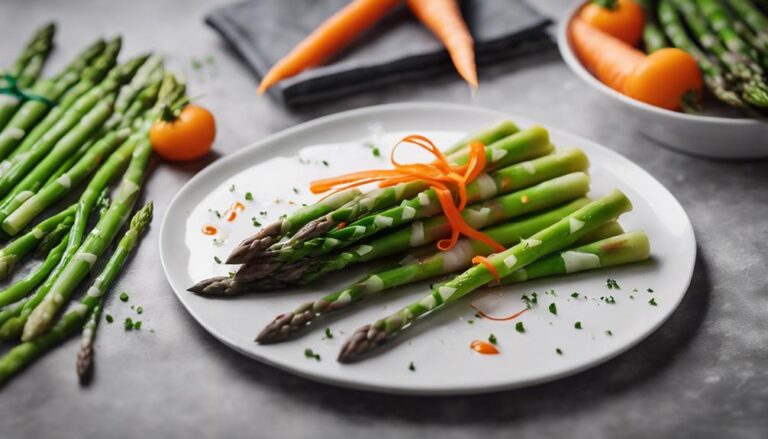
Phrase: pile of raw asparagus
(531, 199)
(728, 38)
(64, 140)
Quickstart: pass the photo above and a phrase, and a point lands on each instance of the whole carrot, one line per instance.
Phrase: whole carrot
(443, 18)
(335, 33)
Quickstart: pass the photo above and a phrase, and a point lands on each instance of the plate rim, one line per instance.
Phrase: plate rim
(411, 390)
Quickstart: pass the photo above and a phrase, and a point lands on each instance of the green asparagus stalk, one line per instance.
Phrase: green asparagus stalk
(11, 311)
(534, 199)
(21, 288)
(23, 354)
(517, 147)
(554, 238)
(32, 111)
(437, 264)
(412, 269)
(25, 71)
(151, 71)
(653, 36)
(84, 365)
(721, 22)
(13, 325)
(714, 76)
(755, 18)
(20, 247)
(617, 250)
(753, 87)
(92, 74)
(53, 238)
(14, 216)
(494, 134)
(69, 132)
(42, 318)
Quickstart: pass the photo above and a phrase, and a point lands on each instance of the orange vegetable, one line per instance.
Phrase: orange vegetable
(624, 19)
(443, 18)
(667, 78)
(187, 136)
(335, 33)
(478, 260)
(441, 175)
(483, 347)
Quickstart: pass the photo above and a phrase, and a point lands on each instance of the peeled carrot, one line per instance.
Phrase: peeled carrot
(624, 19)
(443, 18)
(667, 78)
(334, 34)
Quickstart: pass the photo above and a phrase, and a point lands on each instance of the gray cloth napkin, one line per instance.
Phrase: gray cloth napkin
(398, 48)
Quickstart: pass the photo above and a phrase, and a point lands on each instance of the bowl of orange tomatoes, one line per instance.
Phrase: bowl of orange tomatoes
(663, 90)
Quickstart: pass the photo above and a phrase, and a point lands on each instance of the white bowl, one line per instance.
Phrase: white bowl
(704, 135)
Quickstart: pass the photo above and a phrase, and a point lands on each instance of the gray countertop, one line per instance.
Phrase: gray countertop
(703, 374)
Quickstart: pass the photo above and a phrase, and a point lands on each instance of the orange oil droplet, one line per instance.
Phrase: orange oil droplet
(209, 230)
(231, 215)
(483, 347)
(237, 207)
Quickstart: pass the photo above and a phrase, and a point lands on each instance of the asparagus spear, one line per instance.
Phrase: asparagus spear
(755, 19)
(129, 241)
(617, 250)
(21, 288)
(554, 238)
(531, 143)
(20, 247)
(14, 216)
(31, 111)
(722, 24)
(74, 127)
(412, 269)
(530, 200)
(25, 70)
(653, 36)
(714, 76)
(753, 87)
(286, 325)
(13, 325)
(41, 319)
(23, 354)
(504, 129)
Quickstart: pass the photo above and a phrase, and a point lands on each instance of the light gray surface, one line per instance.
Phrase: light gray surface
(703, 374)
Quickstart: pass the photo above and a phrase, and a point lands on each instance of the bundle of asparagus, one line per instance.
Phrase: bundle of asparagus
(72, 136)
(728, 39)
(531, 201)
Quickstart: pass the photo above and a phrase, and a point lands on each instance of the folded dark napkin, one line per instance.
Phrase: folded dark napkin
(397, 48)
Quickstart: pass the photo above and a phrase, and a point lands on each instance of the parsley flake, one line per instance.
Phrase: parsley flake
(109, 318)
(124, 296)
(610, 300)
(519, 327)
(653, 301)
(650, 290)
(248, 196)
(256, 223)
(612, 284)
(137, 325)
(139, 310)
(608, 332)
(217, 259)
(577, 325)
(411, 367)
(128, 324)
(295, 191)
(492, 339)
(309, 353)
(328, 333)
(575, 295)
(553, 308)
(325, 162)
(376, 152)
(232, 188)
(559, 351)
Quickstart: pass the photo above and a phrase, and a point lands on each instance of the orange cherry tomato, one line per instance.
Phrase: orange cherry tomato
(188, 137)
(665, 79)
(624, 19)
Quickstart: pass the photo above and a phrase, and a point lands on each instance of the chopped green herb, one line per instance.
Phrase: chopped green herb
(217, 259)
(411, 367)
(263, 213)
(376, 152)
(608, 332)
(631, 296)
(232, 188)
(109, 318)
(575, 295)
(478, 316)
(325, 162)
(256, 223)
(328, 333)
(577, 325)
(612, 284)
(559, 351)
(124, 296)
(137, 325)
(128, 324)
(196, 64)
(492, 339)
(471, 322)
(139, 310)
(295, 191)
(553, 308)
(653, 301)
(308, 353)
(650, 290)
(534, 298)
(217, 213)
(610, 299)
(248, 196)
(519, 327)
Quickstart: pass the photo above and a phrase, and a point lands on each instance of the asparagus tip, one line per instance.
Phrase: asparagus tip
(85, 364)
(285, 325)
(364, 340)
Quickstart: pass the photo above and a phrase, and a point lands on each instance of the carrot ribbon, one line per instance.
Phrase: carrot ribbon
(441, 175)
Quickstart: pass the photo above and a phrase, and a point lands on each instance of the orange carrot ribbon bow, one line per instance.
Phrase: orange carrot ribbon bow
(440, 175)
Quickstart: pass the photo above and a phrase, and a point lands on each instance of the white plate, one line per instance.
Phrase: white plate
(710, 135)
(439, 348)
